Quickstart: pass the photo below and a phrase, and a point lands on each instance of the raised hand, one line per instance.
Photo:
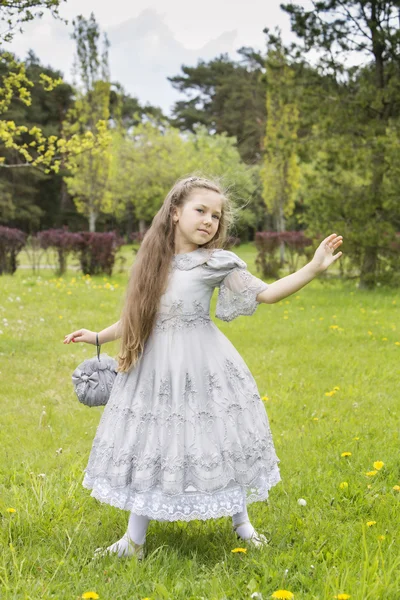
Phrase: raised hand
(324, 256)
(82, 335)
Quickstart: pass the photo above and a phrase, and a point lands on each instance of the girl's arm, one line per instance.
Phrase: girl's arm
(290, 284)
(85, 335)
(110, 333)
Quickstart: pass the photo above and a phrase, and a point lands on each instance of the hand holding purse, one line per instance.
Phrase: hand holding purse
(94, 378)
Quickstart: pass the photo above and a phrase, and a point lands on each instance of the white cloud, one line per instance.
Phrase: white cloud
(150, 41)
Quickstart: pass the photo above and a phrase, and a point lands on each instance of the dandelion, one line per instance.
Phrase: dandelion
(344, 485)
(315, 419)
(336, 387)
(333, 326)
(283, 595)
(356, 439)
(301, 502)
(370, 523)
(396, 488)
(332, 393)
(244, 550)
(378, 464)
(371, 473)
(345, 454)
(11, 510)
(42, 475)
(343, 596)
(89, 595)
(265, 398)
(381, 538)
(397, 343)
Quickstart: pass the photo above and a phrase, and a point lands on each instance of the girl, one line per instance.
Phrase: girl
(185, 434)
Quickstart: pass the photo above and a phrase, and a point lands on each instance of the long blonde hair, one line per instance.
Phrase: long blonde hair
(149, 273)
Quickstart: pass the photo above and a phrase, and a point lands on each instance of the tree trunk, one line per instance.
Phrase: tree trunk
(142, 225)
(281, 227)
(92, 221)
(368, 268)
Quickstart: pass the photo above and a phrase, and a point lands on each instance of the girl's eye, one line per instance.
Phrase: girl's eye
(200, 209)
(217, 217)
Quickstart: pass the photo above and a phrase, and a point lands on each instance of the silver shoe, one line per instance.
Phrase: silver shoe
(257, 540)
(133, 549)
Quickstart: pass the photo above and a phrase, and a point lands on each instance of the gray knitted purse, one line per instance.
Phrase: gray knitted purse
(94, 378)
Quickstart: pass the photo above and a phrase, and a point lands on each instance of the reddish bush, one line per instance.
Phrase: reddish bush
(12, 241)
(97, 251)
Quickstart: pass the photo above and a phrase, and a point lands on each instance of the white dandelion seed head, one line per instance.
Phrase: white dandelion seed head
(301, 502)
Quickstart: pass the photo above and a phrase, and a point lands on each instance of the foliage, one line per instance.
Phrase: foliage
(267, 243)
(89, 171)
(225, 96)
(63, 241)
(12, 241)
(97, 251)
(280, 169)
(15, 12)
(350, 179)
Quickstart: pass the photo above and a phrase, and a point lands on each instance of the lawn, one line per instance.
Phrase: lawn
(326, 361)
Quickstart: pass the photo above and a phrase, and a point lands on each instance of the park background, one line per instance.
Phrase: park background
(304, 133)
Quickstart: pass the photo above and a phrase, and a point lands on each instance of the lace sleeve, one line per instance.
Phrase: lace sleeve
(237, 294)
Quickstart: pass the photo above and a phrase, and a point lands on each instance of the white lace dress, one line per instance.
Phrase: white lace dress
(185, 434)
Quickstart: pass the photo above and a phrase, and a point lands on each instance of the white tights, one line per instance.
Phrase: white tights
(138, 524)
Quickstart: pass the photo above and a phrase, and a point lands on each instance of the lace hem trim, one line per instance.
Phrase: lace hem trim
(187, 506)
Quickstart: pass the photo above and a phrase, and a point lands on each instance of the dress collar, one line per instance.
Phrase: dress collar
(189, 260)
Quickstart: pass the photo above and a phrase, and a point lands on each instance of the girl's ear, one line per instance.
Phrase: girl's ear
(175, 217)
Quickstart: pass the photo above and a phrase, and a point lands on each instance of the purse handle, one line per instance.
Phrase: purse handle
(98, 347)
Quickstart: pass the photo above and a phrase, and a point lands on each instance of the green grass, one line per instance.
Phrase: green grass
(316, 551)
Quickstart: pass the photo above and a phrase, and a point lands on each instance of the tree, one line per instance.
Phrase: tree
(30, 198)
(280, 170)
(89, 171)
(226, 97)
(358, 128)
(15, 12)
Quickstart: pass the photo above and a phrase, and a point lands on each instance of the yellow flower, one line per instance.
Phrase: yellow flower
(346, 454)
(336, 387)
(343, 596)
(397, 343)
(265, 398)
(344, 485)
(315, 419)
(89, 595)
(333, 326)
(381, 538)
(244, 550)
(370, 523)
(396, 488)
(330, 393)
(60, 316)
(371, 473)
(11, 510)
(370, 333)
(378, 464)
(283, 595)
(356, 438)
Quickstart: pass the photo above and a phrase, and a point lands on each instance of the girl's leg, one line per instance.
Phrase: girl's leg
(135, 536)
(242, 525)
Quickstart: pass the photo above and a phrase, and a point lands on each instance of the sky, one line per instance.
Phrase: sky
(151, 39)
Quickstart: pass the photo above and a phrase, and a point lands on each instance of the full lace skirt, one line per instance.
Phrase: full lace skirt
(185, 434)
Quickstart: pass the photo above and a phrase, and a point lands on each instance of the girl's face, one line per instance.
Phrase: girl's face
(197, 221)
